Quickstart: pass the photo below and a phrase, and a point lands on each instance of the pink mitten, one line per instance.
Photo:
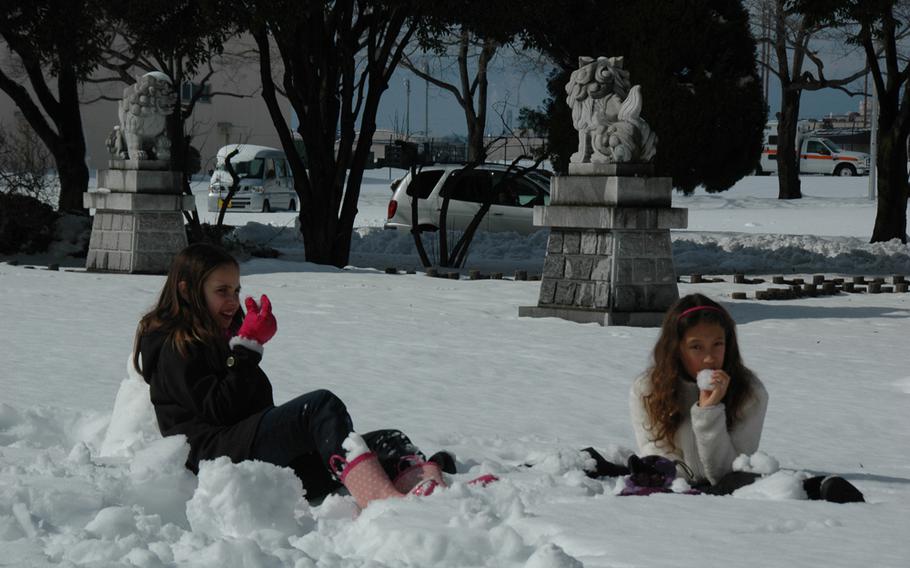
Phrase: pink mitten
(258, 326)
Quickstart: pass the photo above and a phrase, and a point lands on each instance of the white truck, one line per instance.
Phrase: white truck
(265, 182)
(816, 155)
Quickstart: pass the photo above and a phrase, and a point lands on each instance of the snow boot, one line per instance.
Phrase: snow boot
(445, 460)
(365, 479)
(838, 490)
(418, 477)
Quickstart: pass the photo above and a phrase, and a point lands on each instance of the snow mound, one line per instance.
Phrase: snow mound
(246, 499)
(778, 486)
(133, 424)
(552, 556)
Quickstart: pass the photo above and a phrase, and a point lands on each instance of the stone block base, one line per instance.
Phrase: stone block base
(609, 256)
(136, 242)
(600, 317)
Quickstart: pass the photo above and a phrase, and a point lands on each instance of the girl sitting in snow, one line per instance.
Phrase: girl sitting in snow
(200, 355)
(700, 407)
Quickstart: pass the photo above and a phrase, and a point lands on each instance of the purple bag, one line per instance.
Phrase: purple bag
(650, 474)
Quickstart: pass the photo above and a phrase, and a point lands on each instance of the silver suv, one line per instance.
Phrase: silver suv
(512, 200)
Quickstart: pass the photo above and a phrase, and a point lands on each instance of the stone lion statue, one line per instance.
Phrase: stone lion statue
(143, 113)
(606, 112)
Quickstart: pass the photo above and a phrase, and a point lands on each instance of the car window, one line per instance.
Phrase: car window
(518, 191)
(251, 169)
(424, 183)
(269, 169)
(816, 147)
(281, 168)
(832, 146)
(473, 186)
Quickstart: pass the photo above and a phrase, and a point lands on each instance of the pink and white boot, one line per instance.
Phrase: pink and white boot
(418, 477)
(362, 473)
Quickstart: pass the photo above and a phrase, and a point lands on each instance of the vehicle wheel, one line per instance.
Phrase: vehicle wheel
(266, 206)
(844, 170)
(292, 206)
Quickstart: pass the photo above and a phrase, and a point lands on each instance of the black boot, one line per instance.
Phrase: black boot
(838, 490)
(603, 468)
(445, 460)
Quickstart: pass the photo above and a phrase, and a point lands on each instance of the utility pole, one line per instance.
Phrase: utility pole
(426, 100)
(873, 144)
(766, 47)
(407, 116)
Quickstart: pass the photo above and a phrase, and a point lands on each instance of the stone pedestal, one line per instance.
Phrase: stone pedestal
(609, 257)
(138, 225)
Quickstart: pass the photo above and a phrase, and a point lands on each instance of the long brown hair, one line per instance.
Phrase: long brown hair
(185, 316)
(663, 402)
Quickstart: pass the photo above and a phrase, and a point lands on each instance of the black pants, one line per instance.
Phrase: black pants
(724, 486)
(304, 433)
(738, 479)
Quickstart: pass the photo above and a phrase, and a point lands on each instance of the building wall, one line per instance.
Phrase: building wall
(223, 120)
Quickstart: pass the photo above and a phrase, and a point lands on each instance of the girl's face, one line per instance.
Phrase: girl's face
(222, 294)
(703, 347)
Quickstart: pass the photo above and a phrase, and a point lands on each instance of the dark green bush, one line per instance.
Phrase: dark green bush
(26, 224)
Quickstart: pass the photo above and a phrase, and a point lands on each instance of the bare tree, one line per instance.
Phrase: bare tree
(473, 55)
(26, 164)
(796, 60)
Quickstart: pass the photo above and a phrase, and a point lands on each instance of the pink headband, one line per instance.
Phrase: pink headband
(698, 308)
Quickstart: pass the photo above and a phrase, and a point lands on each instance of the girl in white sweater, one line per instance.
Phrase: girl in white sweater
(703, 424)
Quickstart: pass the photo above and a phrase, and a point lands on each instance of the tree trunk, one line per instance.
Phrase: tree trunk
(476, 147)
(68, 148)
(73, 175)
(891, 210)
(787, 146)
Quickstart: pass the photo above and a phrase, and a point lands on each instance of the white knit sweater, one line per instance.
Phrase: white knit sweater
(702, 441)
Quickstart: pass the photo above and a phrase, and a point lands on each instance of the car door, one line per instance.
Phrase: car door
(421, 187)
(816, 159)
(513, 207)
(466, 190)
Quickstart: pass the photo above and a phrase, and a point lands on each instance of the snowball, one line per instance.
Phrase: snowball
(354, 446)
(234, 500)
(704, 379)
(680, 485)
(759, 462)
(552, 556)
(763, 463)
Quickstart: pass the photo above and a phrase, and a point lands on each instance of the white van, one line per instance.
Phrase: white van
(266, 182)
(816, 155)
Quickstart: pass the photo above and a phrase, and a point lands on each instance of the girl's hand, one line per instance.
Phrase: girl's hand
(259, 324)
(720, 381)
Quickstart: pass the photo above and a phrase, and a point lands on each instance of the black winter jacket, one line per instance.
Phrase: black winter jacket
(217, 408)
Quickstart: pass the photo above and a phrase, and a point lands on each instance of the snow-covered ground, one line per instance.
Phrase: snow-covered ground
(87, 481)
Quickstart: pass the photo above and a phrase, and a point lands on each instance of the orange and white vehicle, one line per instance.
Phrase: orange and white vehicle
(816, 155)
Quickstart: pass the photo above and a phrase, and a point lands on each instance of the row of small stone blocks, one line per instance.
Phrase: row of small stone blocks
(817, 279)
(520, 275)
(827, 289)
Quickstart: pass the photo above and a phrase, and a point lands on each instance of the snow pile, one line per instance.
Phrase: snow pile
(133, 421)
(229, 501)
(778, 486)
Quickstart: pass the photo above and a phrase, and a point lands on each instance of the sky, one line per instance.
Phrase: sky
(519, 86)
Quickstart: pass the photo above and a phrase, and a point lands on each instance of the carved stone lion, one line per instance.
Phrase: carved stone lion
(606, 112)
(143, 114)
